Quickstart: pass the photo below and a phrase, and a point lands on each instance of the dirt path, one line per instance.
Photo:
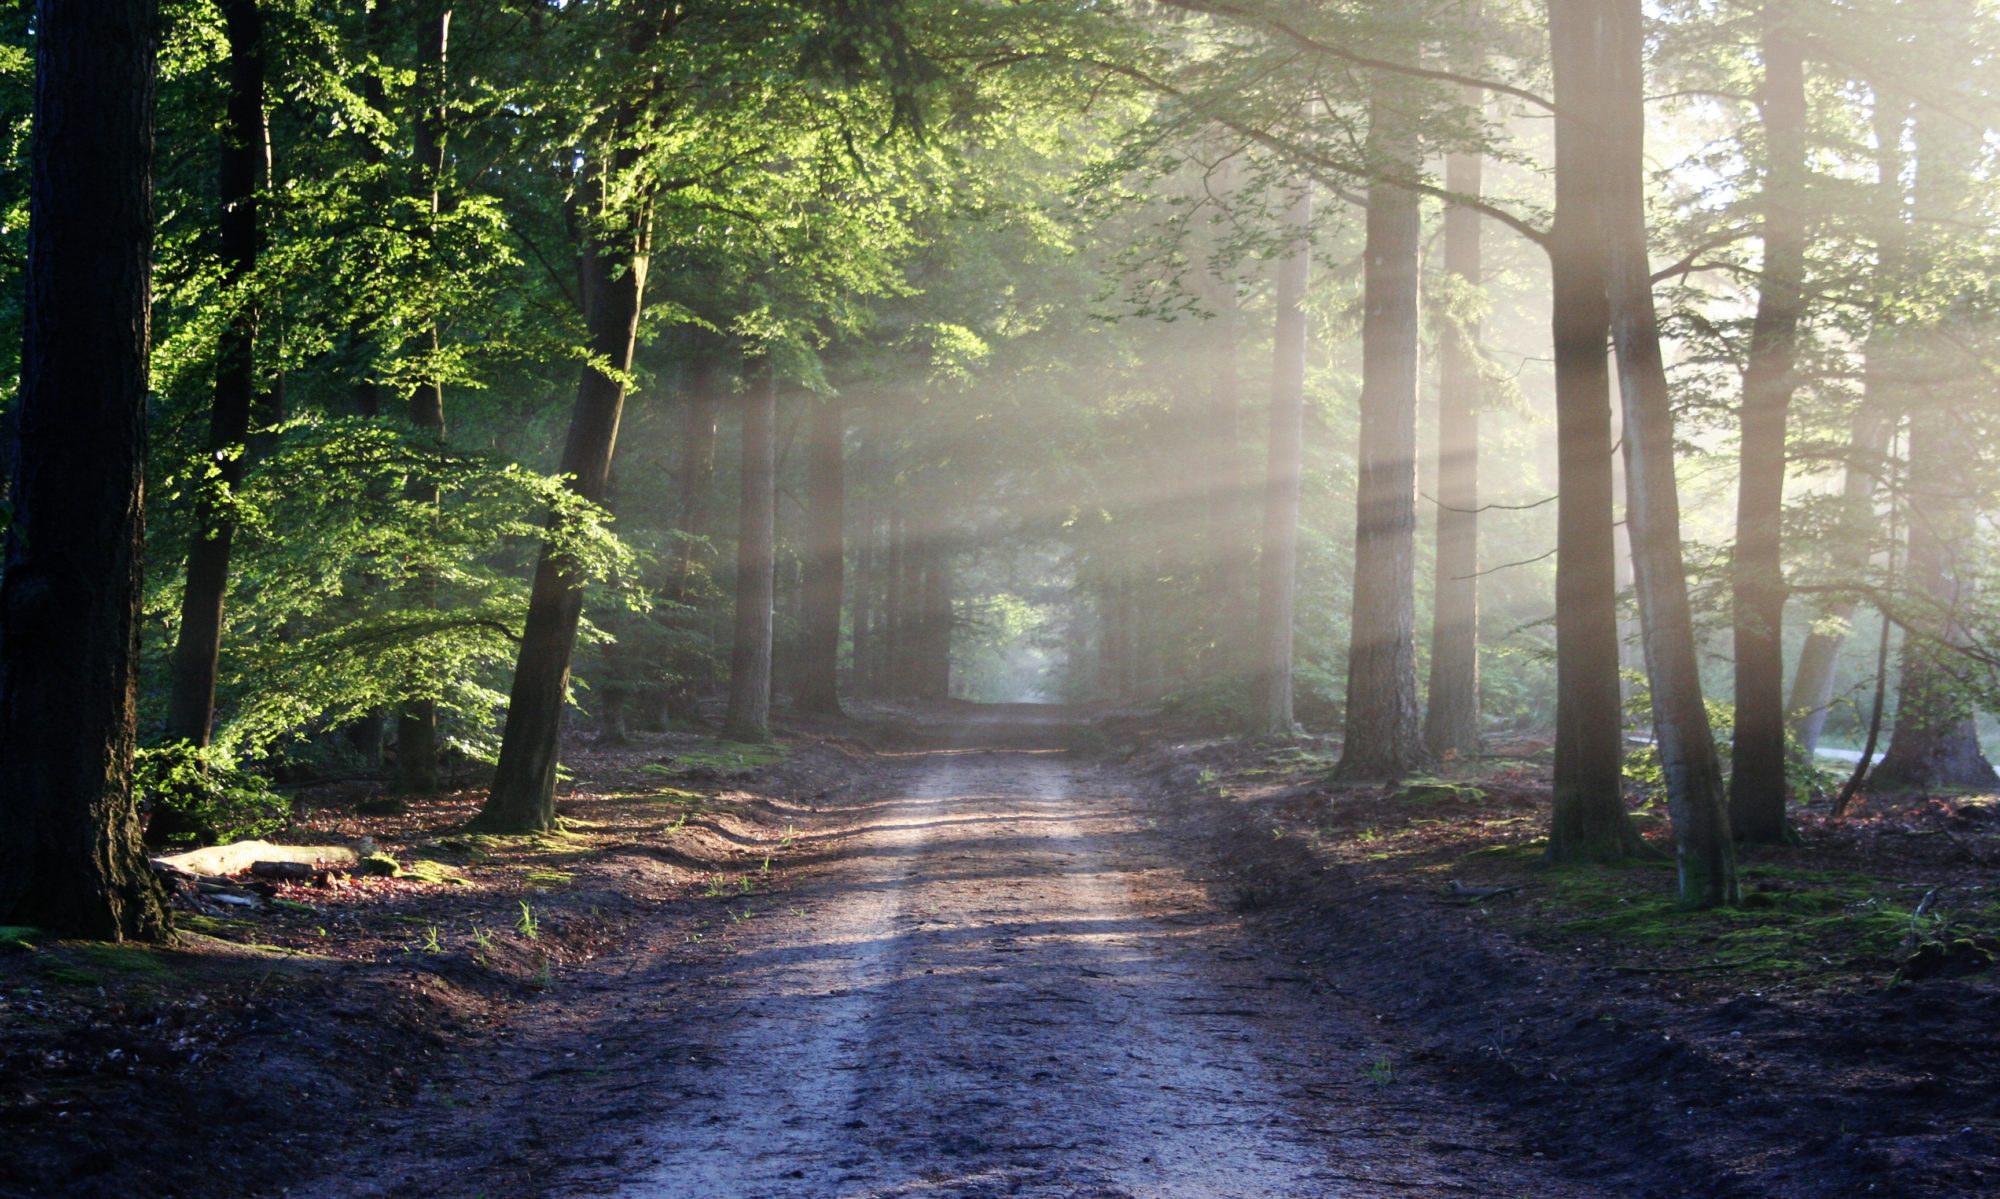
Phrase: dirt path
(988, 982)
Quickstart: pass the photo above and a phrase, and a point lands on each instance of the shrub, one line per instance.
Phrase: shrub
(199, 796)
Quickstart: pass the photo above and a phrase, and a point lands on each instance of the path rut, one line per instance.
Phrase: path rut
(996, 986)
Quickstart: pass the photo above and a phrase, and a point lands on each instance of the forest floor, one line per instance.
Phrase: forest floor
(945, 957)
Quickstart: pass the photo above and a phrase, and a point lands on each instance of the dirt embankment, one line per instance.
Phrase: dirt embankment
(235, 1060)
(1766, 1052)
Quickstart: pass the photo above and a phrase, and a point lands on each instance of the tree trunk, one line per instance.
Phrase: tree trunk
(1589, 822)
(1451, 717)
(197, 652)
(818, 687)
(1383, 735)
(416, 721)
(1758, 787)
(749, 713)
(895, 615)
(1705, 855)
(613, 269)
(1812, 685)
(1231, 561)
(1277, 574)
(71, 862)
(1934, 741)
(933, 667)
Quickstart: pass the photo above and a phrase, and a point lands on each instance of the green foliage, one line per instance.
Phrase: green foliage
(215, 800)
(349, 593)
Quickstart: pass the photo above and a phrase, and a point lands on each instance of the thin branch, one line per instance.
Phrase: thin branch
(1321, 46)
(1493, 507)
(1505, 566)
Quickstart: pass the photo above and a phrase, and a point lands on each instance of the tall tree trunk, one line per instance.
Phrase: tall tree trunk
(374, 94)
(1812, 685)
(1383, 736)
(1935, 741)
(1589, 822)
(1704, 853)
(416, 721)
(1230, 555)
(933, 681)
(1277, 566)
(749, 713)
(680, 699)
(1451, 717)
(895, 608)
(71, 862)
(818, 687)
(614, 257)
(197, 652)
(1757, 784)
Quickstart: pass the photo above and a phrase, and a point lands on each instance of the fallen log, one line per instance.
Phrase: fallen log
(243, 855)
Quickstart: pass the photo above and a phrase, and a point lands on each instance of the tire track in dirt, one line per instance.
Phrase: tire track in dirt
(993, 988)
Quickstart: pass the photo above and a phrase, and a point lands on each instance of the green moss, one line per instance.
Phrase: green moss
(1437, 791)
(429, 870)
(726, 757)
(56, 972)
(547, 879)
(18, 936)
(122, 959)
(1526, 853)
(1776, 929)
(381, 865)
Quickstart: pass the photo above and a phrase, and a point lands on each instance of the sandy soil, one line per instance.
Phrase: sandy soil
(988, 980)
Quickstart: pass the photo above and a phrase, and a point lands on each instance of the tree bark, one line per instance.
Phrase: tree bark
(748, 717)
(1589, 822)
(1383, 734)
(1704, 853)
(1451, 717)
(1758, 788)
(1812, 685)
(933, 666)
(71, 862)
(416, 720)
(1934, 741)
(825, 565)
(1277, 567)
(1230, 558)
(614, 257)
(197, 652)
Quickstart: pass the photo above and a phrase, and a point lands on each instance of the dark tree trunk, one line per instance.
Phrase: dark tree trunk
(71, 862)
(1704, 852)
(1277, 573)
(613, 270)
(1451, 717)
(818, 687)
(749, 711)
(374, 44)
(1383, 735)
(197, 652)
(1589, 822)
(1757, 782)
(416, 721)
(1812, 685)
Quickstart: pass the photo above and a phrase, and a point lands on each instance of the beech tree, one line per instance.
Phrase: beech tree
(70, 855)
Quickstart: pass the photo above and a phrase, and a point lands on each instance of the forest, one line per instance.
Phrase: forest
(1426, 574)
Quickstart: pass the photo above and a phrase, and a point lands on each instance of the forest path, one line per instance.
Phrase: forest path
(998, 987)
